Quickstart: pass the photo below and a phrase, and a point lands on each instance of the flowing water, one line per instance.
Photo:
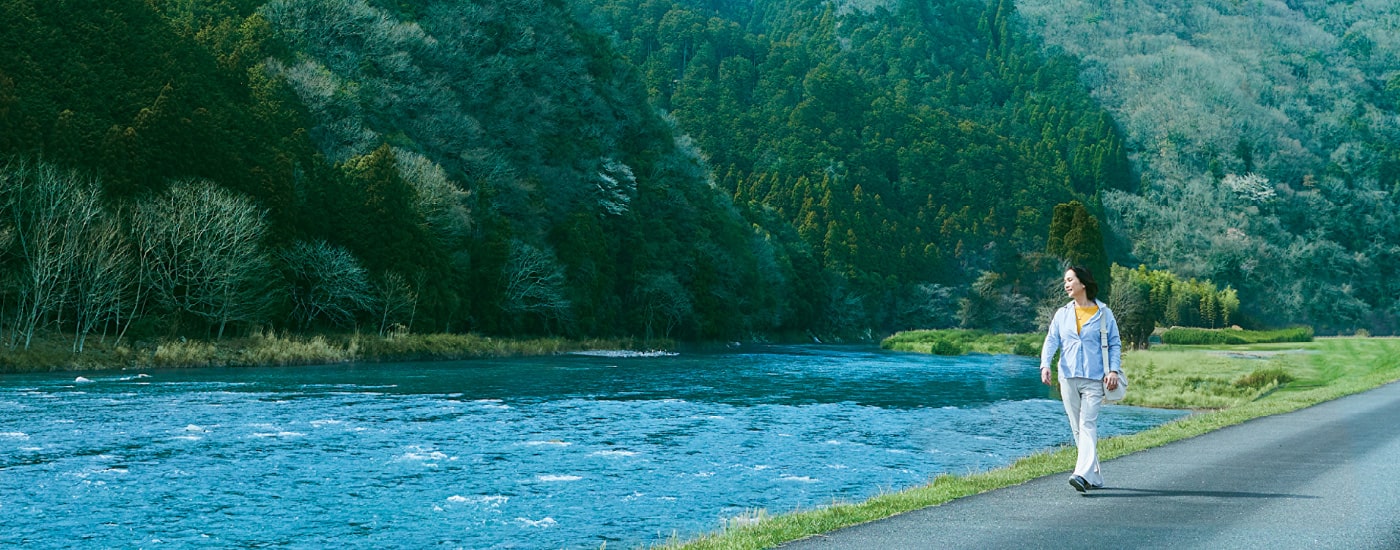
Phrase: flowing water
(560, 452)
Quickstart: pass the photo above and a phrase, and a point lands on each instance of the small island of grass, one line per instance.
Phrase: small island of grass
(962, 341)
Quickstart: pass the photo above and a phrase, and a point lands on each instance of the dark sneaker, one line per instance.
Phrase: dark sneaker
(1079, 484)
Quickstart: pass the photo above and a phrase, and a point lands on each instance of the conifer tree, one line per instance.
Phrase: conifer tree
(1076, 238)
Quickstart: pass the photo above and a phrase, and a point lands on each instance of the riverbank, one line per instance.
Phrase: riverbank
(1312, 372)
(54, 353)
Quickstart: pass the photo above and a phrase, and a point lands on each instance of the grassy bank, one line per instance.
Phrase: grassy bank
(1244, 380)
(53, 353)
(959, 342)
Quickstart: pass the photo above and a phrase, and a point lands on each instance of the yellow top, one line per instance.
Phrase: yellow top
(1082, 315)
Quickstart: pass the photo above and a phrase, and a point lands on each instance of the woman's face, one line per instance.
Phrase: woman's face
(1073, 287)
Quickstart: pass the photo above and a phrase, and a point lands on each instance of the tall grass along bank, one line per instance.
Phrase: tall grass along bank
(272, 349)
(1230, 385)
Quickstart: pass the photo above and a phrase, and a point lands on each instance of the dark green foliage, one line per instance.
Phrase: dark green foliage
(1076, 237)
(544, 126)
(108, 86)
(924, 143)
(383, 224)
(1201, 336)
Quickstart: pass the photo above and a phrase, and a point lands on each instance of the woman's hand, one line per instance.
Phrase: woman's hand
(1111, 381)
(1046, 378)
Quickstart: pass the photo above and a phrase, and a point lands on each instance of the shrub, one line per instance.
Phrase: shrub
(946, 347)
(1262, 378)
(1195, 336)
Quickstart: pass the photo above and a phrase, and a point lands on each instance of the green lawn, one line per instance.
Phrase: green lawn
(1224, 382)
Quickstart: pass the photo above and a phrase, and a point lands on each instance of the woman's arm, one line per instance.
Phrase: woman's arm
(1048, 349)
(1115, 352)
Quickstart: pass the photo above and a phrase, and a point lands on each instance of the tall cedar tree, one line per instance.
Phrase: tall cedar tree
(1076, 238)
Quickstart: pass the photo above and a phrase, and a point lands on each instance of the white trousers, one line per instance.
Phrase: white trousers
(1082, 398)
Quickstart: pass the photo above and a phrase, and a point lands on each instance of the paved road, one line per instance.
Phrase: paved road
(1323, 477)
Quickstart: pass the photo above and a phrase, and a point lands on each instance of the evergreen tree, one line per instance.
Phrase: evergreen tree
(1075, 238)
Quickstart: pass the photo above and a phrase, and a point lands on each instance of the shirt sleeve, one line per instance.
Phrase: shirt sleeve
(1052, 341)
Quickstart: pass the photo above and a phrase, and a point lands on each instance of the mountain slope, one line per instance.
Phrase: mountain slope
(1301, 94)
(488, 165)
(915, 146)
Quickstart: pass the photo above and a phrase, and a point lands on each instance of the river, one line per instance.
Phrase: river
(560, 452)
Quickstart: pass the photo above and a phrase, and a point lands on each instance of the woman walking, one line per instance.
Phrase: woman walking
(1077, 332)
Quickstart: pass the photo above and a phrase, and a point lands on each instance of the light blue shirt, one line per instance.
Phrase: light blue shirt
(1081, 354)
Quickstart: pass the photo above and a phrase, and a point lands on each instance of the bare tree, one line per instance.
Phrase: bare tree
(442, 203)
(326, 281)
(927, 306)
(8, 268)
(48, 211)
(665, 302)
(101, 269)
(201, 252)
(534, 283)
(396, 300)
(9, 264)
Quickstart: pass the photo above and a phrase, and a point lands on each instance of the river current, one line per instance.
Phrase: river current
(560, 452)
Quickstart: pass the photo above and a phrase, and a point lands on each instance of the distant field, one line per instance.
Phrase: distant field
(1229, 385)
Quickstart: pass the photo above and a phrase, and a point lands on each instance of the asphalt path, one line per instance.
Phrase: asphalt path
(1323, 477)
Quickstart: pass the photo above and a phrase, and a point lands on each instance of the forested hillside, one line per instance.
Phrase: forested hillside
(1268, 140)
(582, 211)
(455, 167)
(682, 168)
(915, 147)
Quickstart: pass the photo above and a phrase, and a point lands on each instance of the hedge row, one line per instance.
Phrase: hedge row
(1204, 336)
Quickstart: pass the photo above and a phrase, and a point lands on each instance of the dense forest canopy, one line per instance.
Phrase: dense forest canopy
(688, 169)
(915, 147)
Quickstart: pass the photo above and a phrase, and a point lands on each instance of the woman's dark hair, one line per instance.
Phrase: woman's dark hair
(1086, 277)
